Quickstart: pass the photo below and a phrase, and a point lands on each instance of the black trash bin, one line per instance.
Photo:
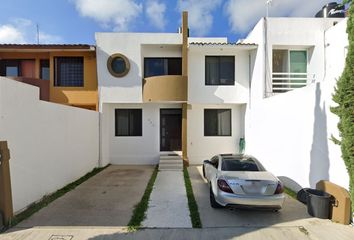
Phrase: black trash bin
(319, 203)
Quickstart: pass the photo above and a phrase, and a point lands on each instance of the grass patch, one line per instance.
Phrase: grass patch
(35, 207)
(141, 207)
(192, 204)
(290, 192)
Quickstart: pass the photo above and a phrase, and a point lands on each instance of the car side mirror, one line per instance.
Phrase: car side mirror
(207, 162)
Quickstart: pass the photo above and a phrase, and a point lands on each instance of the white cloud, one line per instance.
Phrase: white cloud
(10, 34)
(21, 30)
(244, 14)
(155, 12)
(199, 14)
(116, 14)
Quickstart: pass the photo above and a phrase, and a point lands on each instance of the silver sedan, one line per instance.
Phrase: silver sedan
(242, 181)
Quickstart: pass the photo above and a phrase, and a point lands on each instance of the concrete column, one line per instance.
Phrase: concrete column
(6, 207)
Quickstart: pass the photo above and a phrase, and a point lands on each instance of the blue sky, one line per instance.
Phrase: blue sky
(76, 21)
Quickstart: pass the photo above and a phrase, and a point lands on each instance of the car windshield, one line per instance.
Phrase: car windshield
(240, 164)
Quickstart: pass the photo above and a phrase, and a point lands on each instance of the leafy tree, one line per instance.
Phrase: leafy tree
(344, 97)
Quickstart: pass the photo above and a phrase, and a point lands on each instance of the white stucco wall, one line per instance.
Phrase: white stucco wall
(50, 144)
(143, 149)
(198, 92)
(290, 132)
(135, 46)
(200, 147)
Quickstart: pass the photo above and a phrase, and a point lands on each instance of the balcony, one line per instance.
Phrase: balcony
(166, 88)
(43, 85)
(285, 81)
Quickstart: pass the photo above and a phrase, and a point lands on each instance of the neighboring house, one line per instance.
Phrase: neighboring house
(66, 74)
(288, 120)
(166, 92)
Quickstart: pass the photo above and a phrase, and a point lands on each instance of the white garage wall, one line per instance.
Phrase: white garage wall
(51, 145)
(200, 147)
(133, 150)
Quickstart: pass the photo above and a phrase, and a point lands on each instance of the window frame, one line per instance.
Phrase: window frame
(219, 57)
(230, 122)
(116, 134)
(56, 72)
(163, 58)
(8, 62)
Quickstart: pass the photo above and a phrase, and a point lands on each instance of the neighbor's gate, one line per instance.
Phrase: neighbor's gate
(6, 207)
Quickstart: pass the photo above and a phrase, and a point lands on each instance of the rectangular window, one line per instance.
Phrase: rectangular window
(10, 68)
(219, 70)
(217, 122)
(128, 122)
(69, 71)
(162, 66)
(44, 69)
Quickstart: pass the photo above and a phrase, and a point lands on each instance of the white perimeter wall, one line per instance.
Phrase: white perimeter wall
(132, 150)
(50, 145)
(290, 132)
(200, 147)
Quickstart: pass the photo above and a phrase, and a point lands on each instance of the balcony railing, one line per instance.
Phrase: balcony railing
(285, 81)
(165, 88)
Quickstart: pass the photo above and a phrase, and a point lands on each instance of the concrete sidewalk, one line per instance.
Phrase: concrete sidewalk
(328, 231)
(168, 205)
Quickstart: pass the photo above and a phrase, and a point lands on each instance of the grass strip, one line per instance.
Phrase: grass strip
(140, 209)
(35, 207)
(192, 204)
(290, 192)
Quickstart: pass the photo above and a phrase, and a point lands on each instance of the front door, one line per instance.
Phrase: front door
(170, 129)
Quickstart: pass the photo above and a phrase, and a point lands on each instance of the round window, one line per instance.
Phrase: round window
(118, 65)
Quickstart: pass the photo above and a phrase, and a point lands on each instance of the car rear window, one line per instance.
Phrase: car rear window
(239, 165)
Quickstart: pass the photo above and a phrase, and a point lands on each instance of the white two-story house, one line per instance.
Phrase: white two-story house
(165, 92)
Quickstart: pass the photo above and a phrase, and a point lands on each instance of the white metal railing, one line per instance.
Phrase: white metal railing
(285, 81)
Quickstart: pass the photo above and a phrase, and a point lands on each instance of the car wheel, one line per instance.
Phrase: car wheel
(213, 202)
(203, 171)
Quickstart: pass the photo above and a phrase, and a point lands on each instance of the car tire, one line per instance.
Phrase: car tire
(203, 171)
(213, 202)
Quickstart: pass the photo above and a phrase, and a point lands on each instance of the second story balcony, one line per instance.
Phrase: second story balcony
(163, 80)
(165, 88)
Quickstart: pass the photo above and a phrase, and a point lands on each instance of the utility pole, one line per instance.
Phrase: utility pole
(37, 33)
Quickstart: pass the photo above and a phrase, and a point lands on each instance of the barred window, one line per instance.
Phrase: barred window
(69, 71)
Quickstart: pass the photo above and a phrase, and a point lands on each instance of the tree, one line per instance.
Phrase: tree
(344, 97)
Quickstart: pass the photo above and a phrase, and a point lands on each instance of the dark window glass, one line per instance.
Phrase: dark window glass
(69, 71)
(239, 165)
(217, 122)
(44, 70)
(10, 68)
(162, 66)
(118, 65)
(219, 70)
(128, 122)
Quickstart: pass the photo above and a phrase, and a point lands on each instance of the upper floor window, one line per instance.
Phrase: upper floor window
(10, 68)
(69, 71)
(162, 66)
(289, 70)
(44, 69)
(219, 70)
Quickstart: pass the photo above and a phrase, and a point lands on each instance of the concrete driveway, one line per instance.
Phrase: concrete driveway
(292, 214)
(106, 199)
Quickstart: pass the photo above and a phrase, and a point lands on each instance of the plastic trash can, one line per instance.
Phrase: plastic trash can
(319, 203)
